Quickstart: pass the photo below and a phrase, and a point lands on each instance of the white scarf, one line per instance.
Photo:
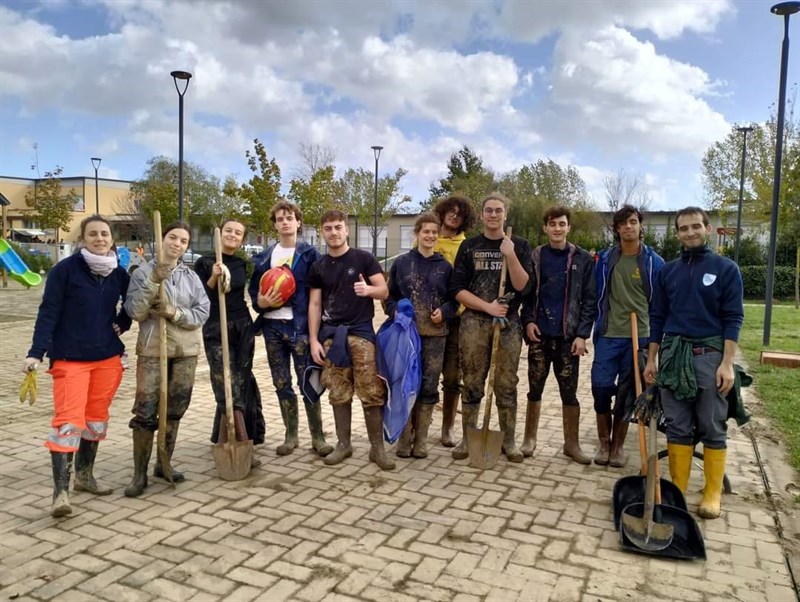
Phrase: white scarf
(102, 265)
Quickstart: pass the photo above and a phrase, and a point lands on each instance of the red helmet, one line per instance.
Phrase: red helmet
(280, 280)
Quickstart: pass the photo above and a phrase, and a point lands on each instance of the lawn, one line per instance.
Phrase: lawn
(778, 388)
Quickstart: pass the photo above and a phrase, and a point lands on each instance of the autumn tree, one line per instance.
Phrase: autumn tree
(316, 194)
(50, 204)
(466, 175)
(228, 203)
(263, 189)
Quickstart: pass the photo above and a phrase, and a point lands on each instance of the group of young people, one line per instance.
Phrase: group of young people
(553, 299)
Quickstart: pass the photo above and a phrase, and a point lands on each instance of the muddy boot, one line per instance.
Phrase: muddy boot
(240, 430)
(62, 466)
(531, 428)
(617, 456)
(406, 440)
(84, 468)
(314, 415)
(449, 408)
(171, 437)
(571, 416)
(289, 415)
(714, 469)
(142, 447)
(469, 419)
(373, 417)
(424, 416)
(604, 438)
(342, 416)
(508, 424)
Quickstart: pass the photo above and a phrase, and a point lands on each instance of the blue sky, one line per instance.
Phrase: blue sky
(644, 86)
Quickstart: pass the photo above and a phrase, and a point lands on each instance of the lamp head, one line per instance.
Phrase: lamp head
(185, 75)
(745, 129)
(377, 151)
(96, 163)
(785, 8)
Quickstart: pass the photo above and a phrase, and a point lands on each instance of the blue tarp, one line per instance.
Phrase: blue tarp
(399, 360)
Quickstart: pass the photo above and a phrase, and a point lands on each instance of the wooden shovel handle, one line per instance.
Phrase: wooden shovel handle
(637, 379)
(223, 329)
(163, 390)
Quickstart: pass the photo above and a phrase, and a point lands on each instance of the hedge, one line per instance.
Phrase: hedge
(754, 278)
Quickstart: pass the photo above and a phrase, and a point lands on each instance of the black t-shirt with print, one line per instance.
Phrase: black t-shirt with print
(336, 277)
(478, 265)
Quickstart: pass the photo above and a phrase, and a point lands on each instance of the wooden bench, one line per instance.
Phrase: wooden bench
(782, 359)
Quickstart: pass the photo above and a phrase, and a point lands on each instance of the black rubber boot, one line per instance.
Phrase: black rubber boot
(62, 466)
(171, 437)
(142, 447)
(289, 415)
(314, 415)
(406, 440)
(424, 415)
(342, 415)
(373, 417)
(84, 469)
(469, 419)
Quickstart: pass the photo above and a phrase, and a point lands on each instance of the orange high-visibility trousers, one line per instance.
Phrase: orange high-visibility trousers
(82, 394)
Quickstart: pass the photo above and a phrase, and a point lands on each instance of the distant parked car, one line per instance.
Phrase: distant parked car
(190, 257)
(253, 250)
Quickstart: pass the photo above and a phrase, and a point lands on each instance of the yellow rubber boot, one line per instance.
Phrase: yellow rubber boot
(680, 464)
(714, 467)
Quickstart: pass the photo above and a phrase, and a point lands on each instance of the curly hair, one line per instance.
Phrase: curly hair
(457, 202)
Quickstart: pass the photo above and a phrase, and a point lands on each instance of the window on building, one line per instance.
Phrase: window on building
(406, 237)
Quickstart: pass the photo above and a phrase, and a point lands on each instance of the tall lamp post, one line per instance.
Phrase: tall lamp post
(377, 151)
(744, 130)
(183, 76)
(784, 9)
(96, 164)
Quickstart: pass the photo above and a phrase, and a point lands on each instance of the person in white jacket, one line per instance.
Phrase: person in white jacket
(186, 309)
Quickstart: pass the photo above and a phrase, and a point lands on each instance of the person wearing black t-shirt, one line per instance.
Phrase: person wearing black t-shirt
(343, 286)
(558, 316)
(475, 283)
(247, 411)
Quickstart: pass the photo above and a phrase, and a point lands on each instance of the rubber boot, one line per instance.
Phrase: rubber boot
(314, 415)
(617, 456)
(289, 415)
(424, 416)
(142, 447)
(714, 468)
(571, 418)
(406, 440)
(62, 466)
(240, 430)
(469, 419)
(680, 464)
(531, 428)
(604, 422)
(449, 408)
(373, 418)
(84, 469)
(508, 424)
(342, 416)
(171, 437)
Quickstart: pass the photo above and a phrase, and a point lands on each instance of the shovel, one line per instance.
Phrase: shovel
(484, 446)
(161, 442)
(233, 458)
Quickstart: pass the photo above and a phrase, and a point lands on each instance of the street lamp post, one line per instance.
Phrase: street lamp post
(744, 130)
(183, 76)
(784, 9)
(377, 151)
(96, 164)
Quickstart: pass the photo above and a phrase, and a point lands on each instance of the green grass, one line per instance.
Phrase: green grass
(778, 388)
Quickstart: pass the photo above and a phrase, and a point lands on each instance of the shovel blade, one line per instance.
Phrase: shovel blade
(647, 534)
(233, 459)
(484, 447)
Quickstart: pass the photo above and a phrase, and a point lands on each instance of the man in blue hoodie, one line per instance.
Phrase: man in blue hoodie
(625, 276)
(695, 319)
(285, 328)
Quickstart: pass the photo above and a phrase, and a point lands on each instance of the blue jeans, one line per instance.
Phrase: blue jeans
(284, 344)
(612, 374)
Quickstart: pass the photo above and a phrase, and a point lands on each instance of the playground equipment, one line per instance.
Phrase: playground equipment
(11, 262)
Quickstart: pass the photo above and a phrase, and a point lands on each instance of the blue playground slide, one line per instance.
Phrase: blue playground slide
(10, 261)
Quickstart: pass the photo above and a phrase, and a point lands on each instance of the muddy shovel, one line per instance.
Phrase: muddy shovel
(233, 458)
(163, 390)
(484, 446)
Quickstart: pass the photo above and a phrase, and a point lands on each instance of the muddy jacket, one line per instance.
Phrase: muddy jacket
(304, 256)
(186, 293)
(649, 263)
(580, 295)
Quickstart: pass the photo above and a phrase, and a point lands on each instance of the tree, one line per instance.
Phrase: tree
(316, 194)
(623, 188)
(315, 157)
(466, 175)
(52, 208)
(226, 204)
(263, 190)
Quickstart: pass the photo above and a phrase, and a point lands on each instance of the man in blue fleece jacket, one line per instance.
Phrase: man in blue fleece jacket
(695, 319)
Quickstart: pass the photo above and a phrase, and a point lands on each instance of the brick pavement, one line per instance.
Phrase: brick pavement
(295, 529)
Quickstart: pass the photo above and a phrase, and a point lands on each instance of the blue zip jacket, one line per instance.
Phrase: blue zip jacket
(698, 295)
(304, 256)
(77, 313)
(649, 263)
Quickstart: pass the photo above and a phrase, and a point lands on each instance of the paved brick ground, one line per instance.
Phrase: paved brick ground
(295, 529)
